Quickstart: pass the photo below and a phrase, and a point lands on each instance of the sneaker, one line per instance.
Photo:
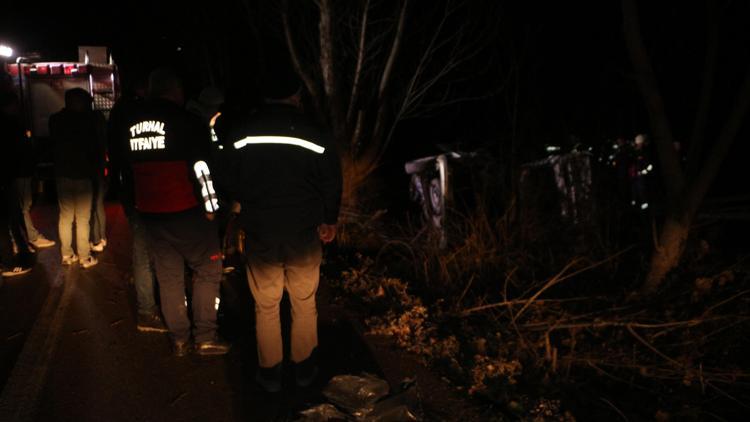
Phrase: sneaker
(69, 259)
(16, 271)
(269, 378)
(42, 242)
(305, 372)
(212, 347)
(99, 247)
(151, 323)
(180, 348)
(89, 262)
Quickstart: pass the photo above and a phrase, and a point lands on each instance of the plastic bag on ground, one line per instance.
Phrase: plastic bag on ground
(356, 394)
(322, 413)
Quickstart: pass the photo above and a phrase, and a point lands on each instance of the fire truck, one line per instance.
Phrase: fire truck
(41, 87)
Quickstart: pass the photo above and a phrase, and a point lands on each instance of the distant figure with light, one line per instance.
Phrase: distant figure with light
(640, 168)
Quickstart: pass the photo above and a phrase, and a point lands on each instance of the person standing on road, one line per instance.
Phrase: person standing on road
(11, 135)
(20, 149)
(286, 175)
(77, 133)
(149, 318)
(165, 149)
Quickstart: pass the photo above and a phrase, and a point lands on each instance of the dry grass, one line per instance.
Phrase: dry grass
(492, 309)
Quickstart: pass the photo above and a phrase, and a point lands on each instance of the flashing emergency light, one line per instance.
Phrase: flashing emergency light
(6, 51)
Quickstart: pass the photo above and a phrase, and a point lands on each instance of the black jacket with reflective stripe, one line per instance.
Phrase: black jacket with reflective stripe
(281, 167)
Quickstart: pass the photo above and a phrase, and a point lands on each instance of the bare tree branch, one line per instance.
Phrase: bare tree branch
(362, 106)
(721, 147)
(358, 68)
(308, 80)
(395, 48)
(416, 89)
(325, 28)
(374, 151)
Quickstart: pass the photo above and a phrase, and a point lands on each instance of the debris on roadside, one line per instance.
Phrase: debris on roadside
(366, 398)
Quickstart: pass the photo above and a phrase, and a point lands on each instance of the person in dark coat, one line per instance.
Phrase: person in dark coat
(78, 134)
(285, 173)
(20, 147)
(11, 162)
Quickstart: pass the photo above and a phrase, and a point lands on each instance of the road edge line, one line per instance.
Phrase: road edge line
(19, 398)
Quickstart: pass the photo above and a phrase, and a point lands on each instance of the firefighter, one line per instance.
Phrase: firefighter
(149, 318)
(166, 148)
(286, 175)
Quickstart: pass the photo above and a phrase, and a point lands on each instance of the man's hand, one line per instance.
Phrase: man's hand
(210, 216)
(327, 232)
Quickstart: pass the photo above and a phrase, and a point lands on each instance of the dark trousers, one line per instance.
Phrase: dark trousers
(177, 239)
(98, 216)
(11, 224)
(6, 244)
(143, 275)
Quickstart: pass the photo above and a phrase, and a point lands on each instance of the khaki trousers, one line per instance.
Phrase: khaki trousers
(296, 269)
(74, 197)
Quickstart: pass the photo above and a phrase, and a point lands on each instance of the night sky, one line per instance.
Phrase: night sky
(576, 77)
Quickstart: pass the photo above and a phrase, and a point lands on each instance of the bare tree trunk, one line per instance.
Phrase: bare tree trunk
(667, 253)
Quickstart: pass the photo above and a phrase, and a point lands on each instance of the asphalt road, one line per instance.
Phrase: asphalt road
(70, 350)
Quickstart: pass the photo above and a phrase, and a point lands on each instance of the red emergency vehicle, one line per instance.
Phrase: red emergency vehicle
(41, 86)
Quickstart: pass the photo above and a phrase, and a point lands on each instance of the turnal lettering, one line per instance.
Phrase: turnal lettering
(148, 126)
